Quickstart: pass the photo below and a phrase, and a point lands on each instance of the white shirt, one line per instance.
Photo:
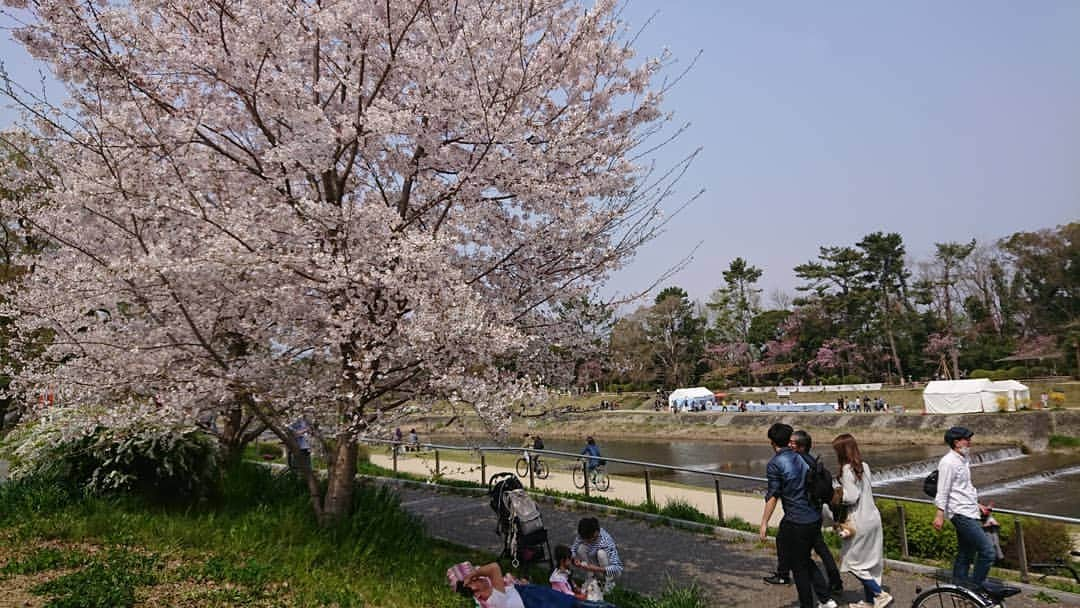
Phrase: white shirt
(508, 598)
(955, 493)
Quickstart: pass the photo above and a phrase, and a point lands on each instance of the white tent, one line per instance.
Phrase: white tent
(960, 396)
(685, 398)
(1015, 395)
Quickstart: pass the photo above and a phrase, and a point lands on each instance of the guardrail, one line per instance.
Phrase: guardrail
(716, 477)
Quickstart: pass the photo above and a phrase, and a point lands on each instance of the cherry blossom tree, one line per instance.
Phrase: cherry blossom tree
(278, 208)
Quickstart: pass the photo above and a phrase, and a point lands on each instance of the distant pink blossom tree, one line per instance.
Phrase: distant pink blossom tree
(329, 209)
(836, 354)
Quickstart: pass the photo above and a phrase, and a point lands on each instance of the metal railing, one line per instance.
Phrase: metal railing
(716, 477)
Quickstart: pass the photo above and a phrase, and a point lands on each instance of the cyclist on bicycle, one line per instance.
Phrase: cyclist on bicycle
(527, 444)
(593, 452)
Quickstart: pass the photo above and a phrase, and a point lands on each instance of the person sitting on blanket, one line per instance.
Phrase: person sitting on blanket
(486, 585)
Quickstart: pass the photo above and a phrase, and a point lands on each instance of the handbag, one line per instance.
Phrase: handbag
(841, 513)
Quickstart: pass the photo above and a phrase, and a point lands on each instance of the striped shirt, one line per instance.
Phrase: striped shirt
(605, 542)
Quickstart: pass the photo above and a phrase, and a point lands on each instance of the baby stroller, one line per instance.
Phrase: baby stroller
(525, 539)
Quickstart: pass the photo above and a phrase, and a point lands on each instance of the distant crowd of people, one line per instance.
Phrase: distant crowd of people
(866, 404)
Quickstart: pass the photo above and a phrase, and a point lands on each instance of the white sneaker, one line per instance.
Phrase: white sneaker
(860, 604)
(829, 603)
(882, 599)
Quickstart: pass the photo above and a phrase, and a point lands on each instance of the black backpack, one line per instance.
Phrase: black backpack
(929, 485)
(818, 482)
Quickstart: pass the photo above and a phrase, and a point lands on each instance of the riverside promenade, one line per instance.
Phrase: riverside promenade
(728, 565)
(628, 489)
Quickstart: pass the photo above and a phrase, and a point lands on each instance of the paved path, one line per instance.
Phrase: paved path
(630, 489)
(729, 571)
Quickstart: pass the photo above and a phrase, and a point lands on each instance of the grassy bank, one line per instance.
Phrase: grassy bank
(255, 544)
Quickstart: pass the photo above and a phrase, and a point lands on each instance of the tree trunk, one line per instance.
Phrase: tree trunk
(342, 475)
(231, 438)
(1076, 345)
(889, 333)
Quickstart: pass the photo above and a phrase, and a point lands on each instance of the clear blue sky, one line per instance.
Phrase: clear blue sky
(822, 122)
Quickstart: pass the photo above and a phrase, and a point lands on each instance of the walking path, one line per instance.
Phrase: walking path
(628, 489)
(728, 570)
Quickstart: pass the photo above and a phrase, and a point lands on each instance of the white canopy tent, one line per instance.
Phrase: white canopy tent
(975, 395)
(959, 396)
(1016, 395)
(687, 398)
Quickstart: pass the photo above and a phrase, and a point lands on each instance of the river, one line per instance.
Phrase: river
(1041, 483)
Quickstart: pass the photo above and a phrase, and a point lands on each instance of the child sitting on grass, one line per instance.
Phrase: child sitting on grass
(560, 576)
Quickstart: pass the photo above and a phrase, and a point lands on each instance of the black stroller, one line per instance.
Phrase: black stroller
(525, 539)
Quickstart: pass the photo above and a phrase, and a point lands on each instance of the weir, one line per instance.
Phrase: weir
(922, 468)
(1029, 480)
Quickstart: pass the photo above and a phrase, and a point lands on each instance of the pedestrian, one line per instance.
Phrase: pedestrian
(801, 442)
(414, 441)
(397, 439)
(861, 553)
(300, 459)
(801, 524)
(958, 500)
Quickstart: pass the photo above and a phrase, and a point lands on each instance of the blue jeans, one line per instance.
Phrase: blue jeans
(971, 543)
(870, 589)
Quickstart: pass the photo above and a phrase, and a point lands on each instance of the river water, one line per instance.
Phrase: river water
(1041, 483)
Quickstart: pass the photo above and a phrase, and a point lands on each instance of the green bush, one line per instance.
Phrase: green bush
(851, 379)
(160, 466)
(923, 540)
(981, 373)
(1044, 541)
(139, 455)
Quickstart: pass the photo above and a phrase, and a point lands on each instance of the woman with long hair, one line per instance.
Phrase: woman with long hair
(862, 551)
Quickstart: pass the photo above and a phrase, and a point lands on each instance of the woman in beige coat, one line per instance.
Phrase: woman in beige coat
(861, 553)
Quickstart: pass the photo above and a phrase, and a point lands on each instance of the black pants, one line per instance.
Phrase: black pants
(793, 545)
(783, 568)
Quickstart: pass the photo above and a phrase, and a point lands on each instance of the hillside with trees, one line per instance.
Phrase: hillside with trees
(865, 313)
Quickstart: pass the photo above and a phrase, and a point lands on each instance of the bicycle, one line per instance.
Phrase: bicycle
(948, 595)
(1056, 565)
(540, 468)
(597, 476)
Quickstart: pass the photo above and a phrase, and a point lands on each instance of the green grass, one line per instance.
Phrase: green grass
(1064, 441)
(259, 533)
(256, 543)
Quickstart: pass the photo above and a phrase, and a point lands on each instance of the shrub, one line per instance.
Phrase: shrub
(923, 540)
(981, 373)
(1057, 399)
(851, 379)
(268, 450)
(1043, 540)
(143, 455)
